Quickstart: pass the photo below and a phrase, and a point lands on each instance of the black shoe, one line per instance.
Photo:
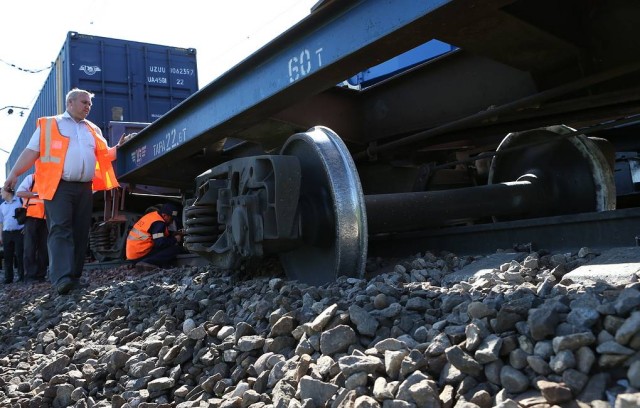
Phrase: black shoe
(64, 287)
(79, 285)
(145, 267)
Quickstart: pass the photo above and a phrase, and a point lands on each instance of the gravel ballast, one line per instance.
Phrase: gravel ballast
(519, 335)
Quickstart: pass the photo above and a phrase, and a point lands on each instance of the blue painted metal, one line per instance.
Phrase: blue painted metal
(132, 81)
(422, 53)
(115, 131)
(324, 49)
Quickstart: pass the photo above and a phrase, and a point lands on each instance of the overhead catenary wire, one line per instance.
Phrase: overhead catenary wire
(30, 71)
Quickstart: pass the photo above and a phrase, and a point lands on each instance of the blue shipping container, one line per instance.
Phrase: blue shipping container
(132, 81)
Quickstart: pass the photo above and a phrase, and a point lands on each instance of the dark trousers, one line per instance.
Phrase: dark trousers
(162, 257)
(36, 258)
(12, 246)
(69, 220)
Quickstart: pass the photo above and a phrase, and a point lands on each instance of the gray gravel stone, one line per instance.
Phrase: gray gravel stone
(509, 337)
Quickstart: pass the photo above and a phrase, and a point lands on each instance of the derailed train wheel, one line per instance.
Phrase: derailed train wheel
(333, 222)
(575, 170)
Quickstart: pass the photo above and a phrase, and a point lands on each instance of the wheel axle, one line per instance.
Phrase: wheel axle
(307, 205)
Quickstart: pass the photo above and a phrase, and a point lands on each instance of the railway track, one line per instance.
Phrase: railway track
(613, 232)
(599, 231)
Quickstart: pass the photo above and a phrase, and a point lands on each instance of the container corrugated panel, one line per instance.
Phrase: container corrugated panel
(132, 81)
(116, 129)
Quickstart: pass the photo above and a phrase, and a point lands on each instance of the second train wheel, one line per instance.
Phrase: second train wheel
(575, 172)
(332, 212)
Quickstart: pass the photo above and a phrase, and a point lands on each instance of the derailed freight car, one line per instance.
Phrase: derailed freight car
(134, 83)
(525, 121)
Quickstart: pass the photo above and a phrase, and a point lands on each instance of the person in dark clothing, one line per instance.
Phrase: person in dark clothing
(150, 244)
(11, 238)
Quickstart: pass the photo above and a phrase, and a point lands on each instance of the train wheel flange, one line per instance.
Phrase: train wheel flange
(333, 220)
(573, 168)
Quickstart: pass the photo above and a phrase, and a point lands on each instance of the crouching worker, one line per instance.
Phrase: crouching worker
(150, 244)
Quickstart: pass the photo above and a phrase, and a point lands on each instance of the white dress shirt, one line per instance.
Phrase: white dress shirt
(7, 215)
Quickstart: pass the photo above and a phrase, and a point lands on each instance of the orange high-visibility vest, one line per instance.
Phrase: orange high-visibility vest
(53, 150)
(34, 205)
(139, 240)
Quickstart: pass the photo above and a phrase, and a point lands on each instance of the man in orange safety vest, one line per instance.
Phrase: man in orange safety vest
(72, 160)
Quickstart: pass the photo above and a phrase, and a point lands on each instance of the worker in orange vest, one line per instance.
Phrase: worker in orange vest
(72, 160)
(150, 244)
(35, 257)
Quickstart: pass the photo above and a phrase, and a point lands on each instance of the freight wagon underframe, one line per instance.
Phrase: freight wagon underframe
(298, 166)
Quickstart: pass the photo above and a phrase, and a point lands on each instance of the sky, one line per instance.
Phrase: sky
(223, 33)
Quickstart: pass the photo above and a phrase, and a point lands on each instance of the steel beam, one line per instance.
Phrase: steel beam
(327, 47)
